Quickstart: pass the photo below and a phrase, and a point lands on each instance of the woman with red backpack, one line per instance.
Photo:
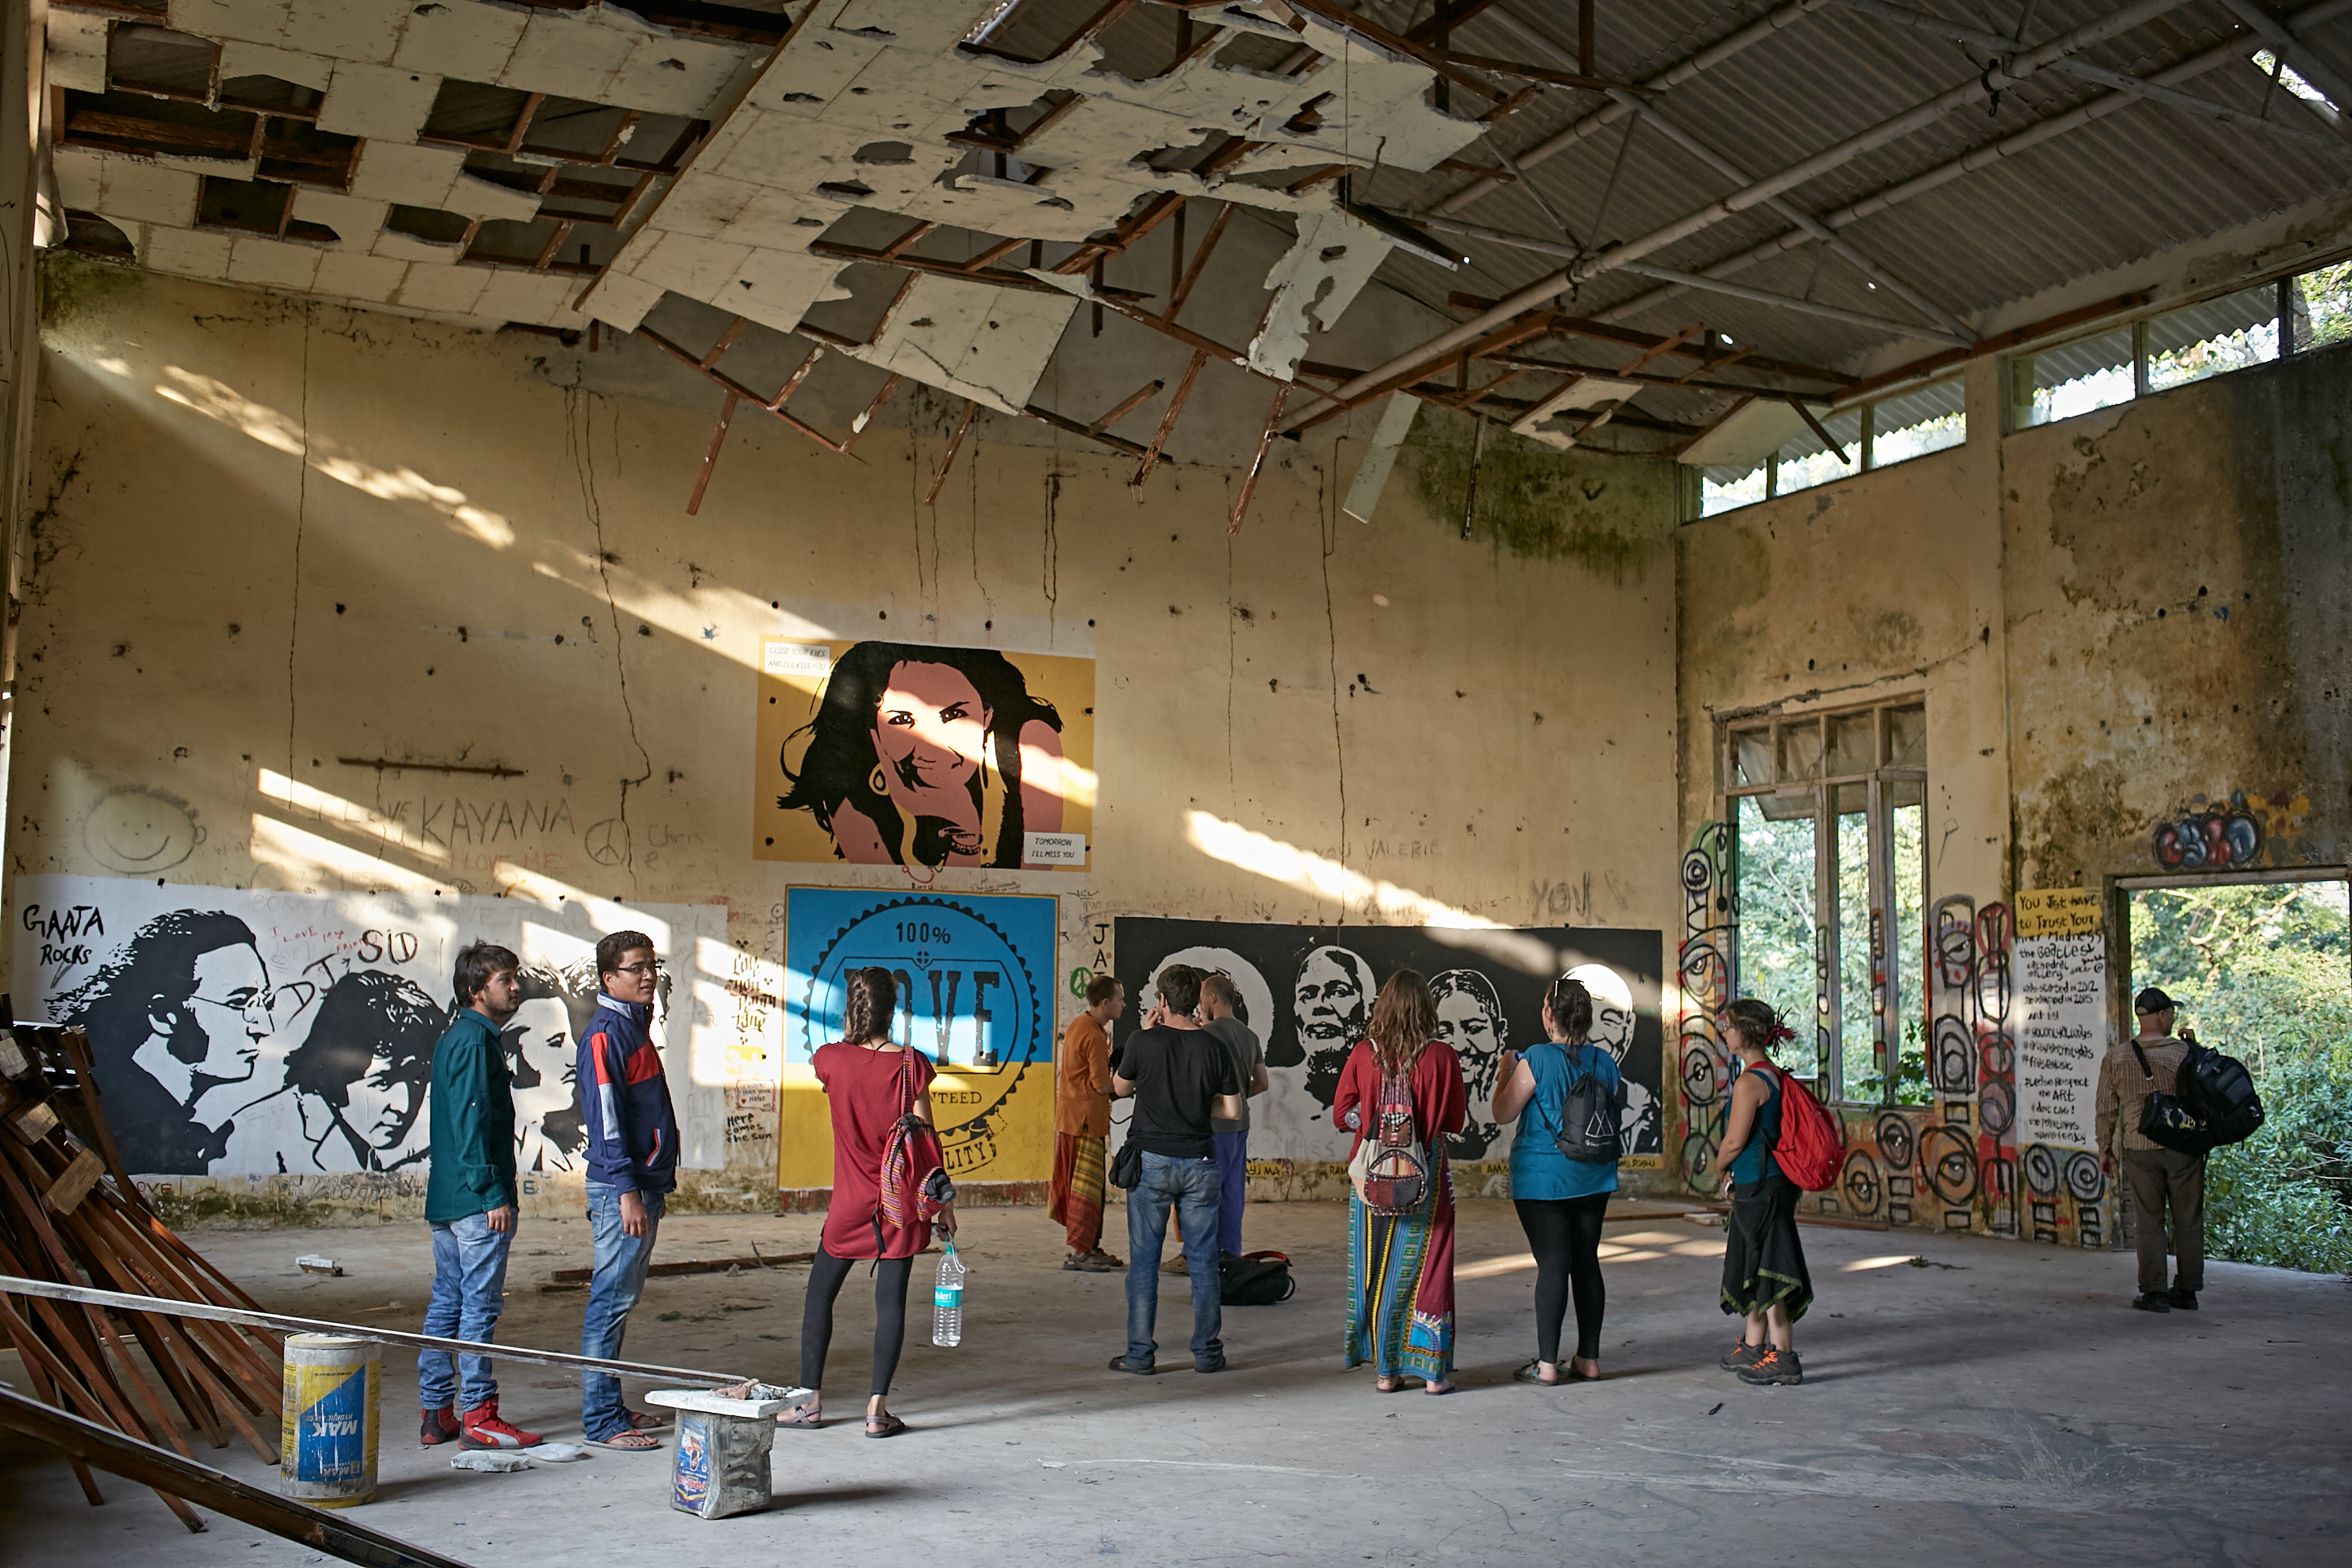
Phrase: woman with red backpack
(1765, 1280)
(1402, 1092)
(889, 1189)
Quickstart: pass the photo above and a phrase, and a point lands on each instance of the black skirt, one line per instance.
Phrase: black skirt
(1764, 1260)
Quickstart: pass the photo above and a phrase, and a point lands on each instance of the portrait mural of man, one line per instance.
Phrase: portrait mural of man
(923, 757)
(251, 1032)
(179, 1013)
(1321, 980)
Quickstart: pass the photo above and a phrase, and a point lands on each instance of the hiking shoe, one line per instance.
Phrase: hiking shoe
(485, 1428)
(2183, 1301)
(2154, 1302)
(438, 1427)
(1742, 1355)
(1176, 1265)
(1774, 1365)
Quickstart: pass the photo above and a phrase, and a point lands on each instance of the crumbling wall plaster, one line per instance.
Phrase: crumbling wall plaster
(281, 535)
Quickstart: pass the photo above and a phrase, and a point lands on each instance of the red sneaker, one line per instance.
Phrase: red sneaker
(438, 1427)
(485, 1429)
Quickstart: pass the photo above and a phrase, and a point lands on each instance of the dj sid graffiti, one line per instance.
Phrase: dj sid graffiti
(974, 977)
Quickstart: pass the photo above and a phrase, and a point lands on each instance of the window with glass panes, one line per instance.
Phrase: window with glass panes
(1827, 813)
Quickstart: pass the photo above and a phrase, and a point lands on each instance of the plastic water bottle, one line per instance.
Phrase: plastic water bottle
(947, 1297)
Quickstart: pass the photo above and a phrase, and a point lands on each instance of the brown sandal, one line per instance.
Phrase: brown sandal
(803, 1416)
(884, 1426)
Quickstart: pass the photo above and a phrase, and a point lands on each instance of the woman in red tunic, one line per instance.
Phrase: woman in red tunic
(1400, 1266)
(872, 1085)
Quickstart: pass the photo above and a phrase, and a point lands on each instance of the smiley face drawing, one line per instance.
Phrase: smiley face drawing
(137, 831)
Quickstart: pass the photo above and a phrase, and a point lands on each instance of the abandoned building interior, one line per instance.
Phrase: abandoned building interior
(1841, 503)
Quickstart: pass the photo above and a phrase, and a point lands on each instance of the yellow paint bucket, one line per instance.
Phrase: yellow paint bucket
(327, 1447)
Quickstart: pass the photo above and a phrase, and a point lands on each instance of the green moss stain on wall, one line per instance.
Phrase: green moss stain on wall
(1606, 513)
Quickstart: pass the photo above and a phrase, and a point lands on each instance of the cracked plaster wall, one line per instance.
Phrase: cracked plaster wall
(204, 603)
(2116, 621)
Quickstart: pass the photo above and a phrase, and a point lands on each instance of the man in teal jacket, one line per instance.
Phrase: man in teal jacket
(470, 1201)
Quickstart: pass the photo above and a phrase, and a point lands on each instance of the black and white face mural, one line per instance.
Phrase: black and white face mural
(1318, 984)
(237, 1032)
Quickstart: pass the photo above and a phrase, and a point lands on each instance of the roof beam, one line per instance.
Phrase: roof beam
(2289, 47)
(1997, 76)
(1982, 157)
(2122, 19)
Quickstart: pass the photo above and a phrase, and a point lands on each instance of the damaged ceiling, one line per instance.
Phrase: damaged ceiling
(1606, 225)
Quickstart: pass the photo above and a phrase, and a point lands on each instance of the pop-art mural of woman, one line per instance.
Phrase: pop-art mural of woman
(918, 755)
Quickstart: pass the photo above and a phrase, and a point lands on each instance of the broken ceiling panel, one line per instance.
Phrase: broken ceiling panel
(1320, 276)
(974, 340)
(1749, 436)
(239, 58)
(1589, 395)
(77, 50)
(376, 102)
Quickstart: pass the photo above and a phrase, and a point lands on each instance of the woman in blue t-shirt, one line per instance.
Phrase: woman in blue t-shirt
(1562, 1202)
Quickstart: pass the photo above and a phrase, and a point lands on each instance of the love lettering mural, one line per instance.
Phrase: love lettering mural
(976, 995)
(920, 756)
(247, 1032)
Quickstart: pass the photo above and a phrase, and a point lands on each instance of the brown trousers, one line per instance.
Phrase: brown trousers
(2163, 1179)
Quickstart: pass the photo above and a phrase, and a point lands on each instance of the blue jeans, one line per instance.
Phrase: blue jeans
(618, 1280)
(1232, 1175)
(1190, 1186)
(470, 1286)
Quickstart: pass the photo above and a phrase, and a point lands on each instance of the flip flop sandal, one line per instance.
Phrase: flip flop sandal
(646, 1421)
(800, 1416)
(1530, 1374)
(888, 1426)
(1448, 1386)
(1575, 1376)
(630, 1442)
(1387, 1384)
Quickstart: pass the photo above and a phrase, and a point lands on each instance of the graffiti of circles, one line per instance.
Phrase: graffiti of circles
(1996, 1108)
(1698, 1156)
(1859, 1183)
(1999, 1052)
(1702, 1073)
(2041, 1169)
(1948, 1160)
(1894, 1141)
(2084, 1179)
(1955, 1056)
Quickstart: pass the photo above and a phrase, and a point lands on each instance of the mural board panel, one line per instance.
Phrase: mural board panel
(976, 995)
(251, 1032)
(2061, 959)
(1308, 990)
(907, 753)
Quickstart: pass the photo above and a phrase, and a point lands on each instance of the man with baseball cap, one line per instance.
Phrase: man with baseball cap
(2160, 1178)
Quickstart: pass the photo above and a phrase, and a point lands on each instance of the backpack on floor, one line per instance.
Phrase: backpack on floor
(1591, 1119)
(2166, 1120)
(1811, 1149)
(1255, 1279)
(2219, 1091)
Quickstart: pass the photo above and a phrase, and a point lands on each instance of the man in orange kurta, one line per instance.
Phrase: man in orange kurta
(1082, 1129)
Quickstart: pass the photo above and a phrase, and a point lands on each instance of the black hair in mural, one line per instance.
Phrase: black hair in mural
(148, 990)
(924, 802)
(366, 1017)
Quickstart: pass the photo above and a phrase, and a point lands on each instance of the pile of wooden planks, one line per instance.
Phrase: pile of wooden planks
(69, 1212)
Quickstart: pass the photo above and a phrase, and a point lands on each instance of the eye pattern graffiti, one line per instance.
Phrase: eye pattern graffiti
(1704, 970)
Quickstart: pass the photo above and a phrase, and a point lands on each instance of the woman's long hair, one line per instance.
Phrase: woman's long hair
(838, 763)
(873, 1000)
(1571, 1008)
(1404, 1019)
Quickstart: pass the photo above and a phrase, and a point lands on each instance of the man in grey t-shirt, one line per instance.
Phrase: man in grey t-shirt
(1217, 1019)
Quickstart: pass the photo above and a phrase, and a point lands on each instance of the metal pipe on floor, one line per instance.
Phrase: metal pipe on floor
(120, 1302)
(1542, 292)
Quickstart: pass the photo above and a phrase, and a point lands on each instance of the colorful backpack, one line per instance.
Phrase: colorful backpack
(1811, 1149)
(1391, 1166)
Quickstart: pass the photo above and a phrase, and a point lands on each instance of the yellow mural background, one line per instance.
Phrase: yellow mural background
(787, 702)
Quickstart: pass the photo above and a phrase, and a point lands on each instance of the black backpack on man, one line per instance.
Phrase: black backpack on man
(2213, 1101)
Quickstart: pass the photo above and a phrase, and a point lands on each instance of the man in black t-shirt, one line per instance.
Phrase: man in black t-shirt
(1179, 1077)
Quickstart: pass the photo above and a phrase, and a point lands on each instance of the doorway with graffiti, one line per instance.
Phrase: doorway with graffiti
(2260, 964)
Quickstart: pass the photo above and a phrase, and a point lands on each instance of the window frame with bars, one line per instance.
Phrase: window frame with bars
(1896, 967)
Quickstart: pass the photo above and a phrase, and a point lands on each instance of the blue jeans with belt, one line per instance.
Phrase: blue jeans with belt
(469, 1285)
(612, 1289)
(1189, 1188)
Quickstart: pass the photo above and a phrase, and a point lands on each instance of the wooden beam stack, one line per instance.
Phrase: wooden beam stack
(70, 1212)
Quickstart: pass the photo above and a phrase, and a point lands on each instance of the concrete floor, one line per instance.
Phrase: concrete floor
(1999, 1405)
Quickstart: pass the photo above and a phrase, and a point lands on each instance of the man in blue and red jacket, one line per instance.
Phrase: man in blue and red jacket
(632, 1167)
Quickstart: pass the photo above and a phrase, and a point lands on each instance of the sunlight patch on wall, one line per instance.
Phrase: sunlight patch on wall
(1312, 874)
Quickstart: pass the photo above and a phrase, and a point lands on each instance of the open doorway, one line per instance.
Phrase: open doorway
(2263, 970)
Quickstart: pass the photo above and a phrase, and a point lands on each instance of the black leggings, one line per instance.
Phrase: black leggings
(825, 1277)
(1565, 1235)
